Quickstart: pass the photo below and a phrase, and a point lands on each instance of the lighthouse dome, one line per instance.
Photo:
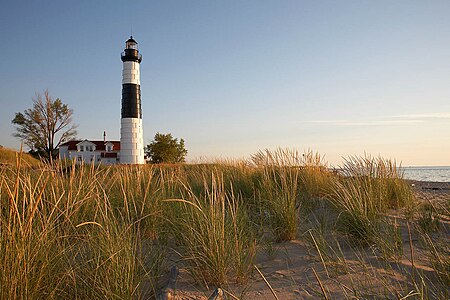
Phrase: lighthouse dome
(131, 43)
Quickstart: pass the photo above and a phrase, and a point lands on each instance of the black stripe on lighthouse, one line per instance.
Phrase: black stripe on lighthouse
(131, 101)
(131, 92)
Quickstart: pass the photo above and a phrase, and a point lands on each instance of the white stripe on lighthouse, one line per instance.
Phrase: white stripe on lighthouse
(131, 73)
(131, 141)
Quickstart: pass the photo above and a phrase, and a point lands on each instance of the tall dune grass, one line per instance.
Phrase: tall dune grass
(84, 231)
(215, 234)
(279, 191)
(314, 178)
(61, 237)
(368, 188)
(30, 248)
(289, 184)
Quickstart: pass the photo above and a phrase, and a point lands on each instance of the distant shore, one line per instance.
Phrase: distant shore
(431, 186)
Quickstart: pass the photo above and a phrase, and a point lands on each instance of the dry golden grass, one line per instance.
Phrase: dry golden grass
(94, 232)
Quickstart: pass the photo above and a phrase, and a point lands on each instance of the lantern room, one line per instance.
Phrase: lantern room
(131, 44)
(131, 52)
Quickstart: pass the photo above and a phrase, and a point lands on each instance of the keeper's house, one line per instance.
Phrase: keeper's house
(104, 152)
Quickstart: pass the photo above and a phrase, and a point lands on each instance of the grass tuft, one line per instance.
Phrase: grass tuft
(215, 234)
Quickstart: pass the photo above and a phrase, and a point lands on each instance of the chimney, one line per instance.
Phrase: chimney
(104, 136)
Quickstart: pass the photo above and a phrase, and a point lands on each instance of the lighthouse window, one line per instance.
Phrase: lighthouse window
(131, 45)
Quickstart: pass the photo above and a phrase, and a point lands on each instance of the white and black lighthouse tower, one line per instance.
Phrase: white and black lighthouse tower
(131, 133)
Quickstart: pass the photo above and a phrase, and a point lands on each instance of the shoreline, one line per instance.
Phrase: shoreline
(418, 185)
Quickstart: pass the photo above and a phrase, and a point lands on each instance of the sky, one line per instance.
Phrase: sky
(342, 78)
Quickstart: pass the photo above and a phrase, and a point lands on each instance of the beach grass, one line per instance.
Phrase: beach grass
(113, 232)
(214, 233)
(366, 189)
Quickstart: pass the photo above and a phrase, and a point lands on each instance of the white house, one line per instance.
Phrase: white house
(104, 152)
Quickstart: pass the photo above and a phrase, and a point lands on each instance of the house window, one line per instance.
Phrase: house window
(80, 158)
(81, 148)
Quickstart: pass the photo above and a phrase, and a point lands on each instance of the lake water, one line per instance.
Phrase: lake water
(438, 174)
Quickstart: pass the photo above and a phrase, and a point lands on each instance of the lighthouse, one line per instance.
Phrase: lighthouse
(131, 133)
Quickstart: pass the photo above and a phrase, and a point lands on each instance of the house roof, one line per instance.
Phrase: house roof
(86, 142)
(99, 145)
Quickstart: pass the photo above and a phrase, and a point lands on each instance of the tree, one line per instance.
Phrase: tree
(166, 149)
(45, 126)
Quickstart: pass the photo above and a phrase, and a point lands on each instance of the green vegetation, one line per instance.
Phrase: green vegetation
(166, 149)
(214, 232)
(279, 192)
(368, 189)
(95, 232)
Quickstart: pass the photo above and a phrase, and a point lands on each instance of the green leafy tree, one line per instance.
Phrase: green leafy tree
(166, 149)
(45, 126)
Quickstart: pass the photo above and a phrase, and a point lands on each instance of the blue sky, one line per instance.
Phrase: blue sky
(232, 77)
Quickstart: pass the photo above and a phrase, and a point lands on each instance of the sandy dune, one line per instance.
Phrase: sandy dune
(289, 267)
